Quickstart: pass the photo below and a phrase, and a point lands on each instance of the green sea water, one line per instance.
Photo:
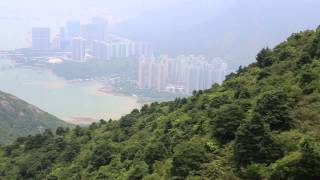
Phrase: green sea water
(79, 102)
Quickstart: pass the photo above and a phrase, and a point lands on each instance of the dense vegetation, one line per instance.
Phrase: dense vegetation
(18, 118)
(261, 123)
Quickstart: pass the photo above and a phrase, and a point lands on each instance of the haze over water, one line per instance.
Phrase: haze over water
(75, 102)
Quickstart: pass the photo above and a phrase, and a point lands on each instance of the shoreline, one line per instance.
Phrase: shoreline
(107, 108)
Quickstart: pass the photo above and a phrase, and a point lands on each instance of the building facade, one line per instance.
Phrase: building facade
(120, 49)
(78, 49)
(181, 74)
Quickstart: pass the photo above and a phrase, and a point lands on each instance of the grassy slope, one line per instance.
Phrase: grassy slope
(262, 123)
(18, 118)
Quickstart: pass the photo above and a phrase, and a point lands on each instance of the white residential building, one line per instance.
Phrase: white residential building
(184, 73)
(78, 49)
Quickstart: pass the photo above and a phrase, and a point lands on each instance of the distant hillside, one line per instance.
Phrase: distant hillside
(263, 122)
(233, 30)
(18, 118)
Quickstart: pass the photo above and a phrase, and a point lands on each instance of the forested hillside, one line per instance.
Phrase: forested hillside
(18, 118)
(261, 123)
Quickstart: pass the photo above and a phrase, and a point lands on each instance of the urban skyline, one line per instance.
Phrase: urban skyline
(96, 42)
(92, 41)
(182, 74)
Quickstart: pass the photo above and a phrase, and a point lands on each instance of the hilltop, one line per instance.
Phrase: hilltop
(261, 123)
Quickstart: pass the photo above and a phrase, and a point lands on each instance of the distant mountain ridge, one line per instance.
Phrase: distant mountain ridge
(18, 118)
(234, 33)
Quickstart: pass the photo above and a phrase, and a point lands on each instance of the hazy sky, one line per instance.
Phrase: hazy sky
(39, 10)
(18, 16)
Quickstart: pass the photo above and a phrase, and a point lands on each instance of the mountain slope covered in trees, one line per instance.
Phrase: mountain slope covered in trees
(18, 118)
(261, 123)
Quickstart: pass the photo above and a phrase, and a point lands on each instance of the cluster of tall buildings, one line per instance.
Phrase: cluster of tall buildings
(181, 74)
(78, 49)
(78, 38)
(121, 49)
(91, 40)
(97, 29)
